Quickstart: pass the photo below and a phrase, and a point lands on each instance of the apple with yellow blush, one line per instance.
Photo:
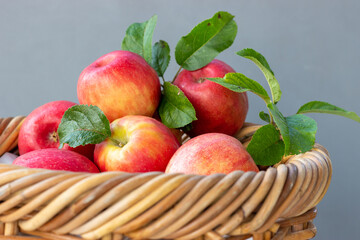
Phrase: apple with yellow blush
(120, 83)
(137, 144)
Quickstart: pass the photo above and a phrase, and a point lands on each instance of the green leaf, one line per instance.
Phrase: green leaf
(175, 109)
(324, 107)
(266, 146)
(138, 38)
(238, 82)
(281, 123)
(82, 125)
(264, 116)
(261, 62)
(302, 131)
(298, 131)
(206, 41)
(160, 57)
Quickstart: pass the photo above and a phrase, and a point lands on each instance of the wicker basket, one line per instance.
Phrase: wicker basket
(276, 203)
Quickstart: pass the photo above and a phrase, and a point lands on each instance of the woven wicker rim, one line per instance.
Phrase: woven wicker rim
(157, 205)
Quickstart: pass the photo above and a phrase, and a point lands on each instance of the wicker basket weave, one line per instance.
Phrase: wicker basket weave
(276, 203)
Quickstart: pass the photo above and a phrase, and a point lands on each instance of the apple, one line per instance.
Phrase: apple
(218, 109)
(39, 129)
(120, 83)
(56, 159)
(137, 144)
(211, 153)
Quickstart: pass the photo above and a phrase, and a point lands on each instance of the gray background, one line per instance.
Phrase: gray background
(312, 46)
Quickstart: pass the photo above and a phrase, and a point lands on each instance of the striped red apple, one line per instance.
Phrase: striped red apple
(39, 129)
(56, 159)
(211, 153)
(218, 109)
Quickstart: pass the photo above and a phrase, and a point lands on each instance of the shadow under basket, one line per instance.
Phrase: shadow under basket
(276, 203)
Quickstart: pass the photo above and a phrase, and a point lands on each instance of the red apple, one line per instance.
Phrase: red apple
(138, 144)
(56, 159)
(211, 153)
(218, 109)
(120, 83)
(39, 129)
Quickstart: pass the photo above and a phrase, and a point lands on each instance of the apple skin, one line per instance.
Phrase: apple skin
(56, 159)
(211, 153)
(39, 129)
(218, 109)
(148, 146)
(120, 83)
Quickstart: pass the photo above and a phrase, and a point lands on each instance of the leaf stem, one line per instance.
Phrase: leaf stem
(270, 114)
(177, 73)
(272, 119)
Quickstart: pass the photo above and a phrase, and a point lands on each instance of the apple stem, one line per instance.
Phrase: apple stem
(116, 142)
(177, 73)
(54, 136)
